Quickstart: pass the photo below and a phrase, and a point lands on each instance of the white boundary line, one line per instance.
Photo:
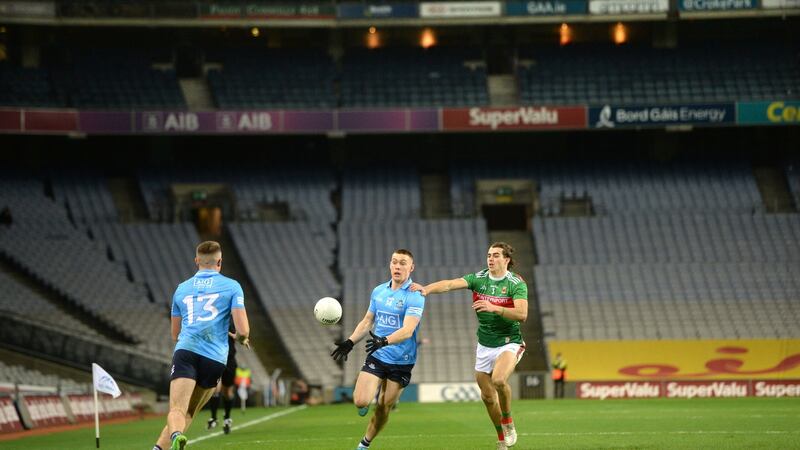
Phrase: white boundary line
(251, 423)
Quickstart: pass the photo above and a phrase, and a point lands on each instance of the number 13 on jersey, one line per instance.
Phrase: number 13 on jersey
(208, 305)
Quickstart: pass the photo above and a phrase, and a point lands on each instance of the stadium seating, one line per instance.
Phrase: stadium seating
(617, 188)
(20, 375)
(19, 300)
(86, 197)
(42, 242)
(599, 74)
(434, 243)
(116, 79)
(267, 78)
(306, 191)
(668, 238)
(413, 77)
(669, 276)
(369, 193)
(29, 87)
(290, 265)
(158, 255)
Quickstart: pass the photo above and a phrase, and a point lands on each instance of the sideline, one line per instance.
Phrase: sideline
(251, 423)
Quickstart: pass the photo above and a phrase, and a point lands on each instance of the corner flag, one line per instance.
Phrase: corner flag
(103, 382)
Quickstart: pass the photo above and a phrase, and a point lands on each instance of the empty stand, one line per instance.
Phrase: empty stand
(380, 193)
(272, 78)
(158, 255)
(20, 375)
(290, 265)
(27, 87)
(306, 192)
(86, 196)
(42, 242)
(647, 275)
(413, 77)
(598, 74)
(115, 79)
(620, 187)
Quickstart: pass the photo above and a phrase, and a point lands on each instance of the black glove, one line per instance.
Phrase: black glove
(375, 342)
(342, 349)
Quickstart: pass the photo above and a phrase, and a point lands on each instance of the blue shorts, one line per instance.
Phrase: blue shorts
(205, 371)
(399, 373)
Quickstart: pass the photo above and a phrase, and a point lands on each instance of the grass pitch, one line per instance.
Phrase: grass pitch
(747, 423)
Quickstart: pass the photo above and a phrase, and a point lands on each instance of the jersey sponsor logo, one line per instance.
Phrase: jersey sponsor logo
(391, 320)
(502, 301)
(203, 282)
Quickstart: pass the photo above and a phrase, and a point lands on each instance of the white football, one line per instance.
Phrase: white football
(328, 311)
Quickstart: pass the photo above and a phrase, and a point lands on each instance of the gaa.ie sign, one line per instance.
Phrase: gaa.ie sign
(768, 113)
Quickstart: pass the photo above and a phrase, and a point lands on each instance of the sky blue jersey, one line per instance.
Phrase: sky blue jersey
(204, 303)
(390, 309)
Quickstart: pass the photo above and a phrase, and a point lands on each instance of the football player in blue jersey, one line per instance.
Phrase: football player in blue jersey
(202, 308)
(395, 313)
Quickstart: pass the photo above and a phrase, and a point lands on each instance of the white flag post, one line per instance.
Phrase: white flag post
(103, 382)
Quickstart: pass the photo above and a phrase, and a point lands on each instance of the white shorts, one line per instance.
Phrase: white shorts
(485, 357)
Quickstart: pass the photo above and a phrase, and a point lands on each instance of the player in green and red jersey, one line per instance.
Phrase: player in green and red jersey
(500, 299)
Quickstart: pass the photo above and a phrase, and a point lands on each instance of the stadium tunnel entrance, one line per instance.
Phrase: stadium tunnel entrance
(506, 217)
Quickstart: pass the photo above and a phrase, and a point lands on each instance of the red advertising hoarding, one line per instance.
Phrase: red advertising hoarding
(10, 120)
(517, 118)
(51, 121)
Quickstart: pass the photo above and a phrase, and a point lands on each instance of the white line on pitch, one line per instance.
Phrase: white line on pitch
(250, 423)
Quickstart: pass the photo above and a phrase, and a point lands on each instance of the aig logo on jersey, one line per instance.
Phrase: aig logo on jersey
(203, 282)
(388, 319)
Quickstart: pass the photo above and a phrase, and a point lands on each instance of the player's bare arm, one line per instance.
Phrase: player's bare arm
(242, 325)
(518, 313)
(176, 328)
(363, 327)
(439, 287)
(409, 325)
(345, 347)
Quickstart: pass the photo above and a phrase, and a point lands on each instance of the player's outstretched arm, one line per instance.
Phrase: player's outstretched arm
(344, 347)
(444, 286)
(242, 325)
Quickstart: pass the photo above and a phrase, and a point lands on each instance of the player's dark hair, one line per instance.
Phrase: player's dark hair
(402, 251)
(508, 252)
